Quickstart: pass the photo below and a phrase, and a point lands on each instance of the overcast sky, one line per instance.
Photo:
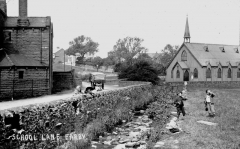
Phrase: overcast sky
(158, 22)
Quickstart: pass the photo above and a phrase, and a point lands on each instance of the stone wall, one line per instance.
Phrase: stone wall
(64, 80)
(55, 118)
(123, 83)
(209, 84)
(35, 82)
(32, 42)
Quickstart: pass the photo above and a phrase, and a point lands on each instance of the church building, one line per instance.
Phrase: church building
(204, 62)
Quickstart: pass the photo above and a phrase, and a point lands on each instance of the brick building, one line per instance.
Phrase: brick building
(25, 54)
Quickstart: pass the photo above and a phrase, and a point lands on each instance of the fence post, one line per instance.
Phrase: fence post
(32, 87)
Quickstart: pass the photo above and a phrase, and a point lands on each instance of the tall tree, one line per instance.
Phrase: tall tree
(127, 48)
(81, 46)
(168, 54)
(97, 62)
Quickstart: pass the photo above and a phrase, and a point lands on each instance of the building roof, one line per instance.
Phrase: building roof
(215, 54)
(34, 21)
(15, 59)
(183, 65)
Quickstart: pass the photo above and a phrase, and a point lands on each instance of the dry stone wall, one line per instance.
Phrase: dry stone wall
(209, 84)
(55, 118)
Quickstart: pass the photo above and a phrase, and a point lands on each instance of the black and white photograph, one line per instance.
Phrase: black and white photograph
(119, 74)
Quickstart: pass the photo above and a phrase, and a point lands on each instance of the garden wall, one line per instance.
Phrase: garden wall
(208, 84)
(129, 83)
(38, 126)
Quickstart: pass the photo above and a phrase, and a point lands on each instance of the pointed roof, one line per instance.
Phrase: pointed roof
(214, 55)
(187, 32)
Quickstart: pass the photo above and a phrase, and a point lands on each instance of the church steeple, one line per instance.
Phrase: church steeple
(187, 32)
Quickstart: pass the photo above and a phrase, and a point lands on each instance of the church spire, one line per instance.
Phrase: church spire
(187, 32)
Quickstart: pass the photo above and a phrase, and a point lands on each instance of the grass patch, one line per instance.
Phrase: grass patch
(226, 134)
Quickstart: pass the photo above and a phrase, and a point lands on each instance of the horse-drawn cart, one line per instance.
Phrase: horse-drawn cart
(98, 79)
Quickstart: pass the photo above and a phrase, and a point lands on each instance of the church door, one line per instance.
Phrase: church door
(186, 76)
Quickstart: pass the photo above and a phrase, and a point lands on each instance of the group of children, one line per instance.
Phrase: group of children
(88, 90)
(208, 102)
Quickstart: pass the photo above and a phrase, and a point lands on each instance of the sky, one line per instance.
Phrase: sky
(157, 22)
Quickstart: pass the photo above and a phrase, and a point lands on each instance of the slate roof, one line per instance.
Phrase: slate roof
(215, 54)
(8, 59)
(183, 65)
(34, 21)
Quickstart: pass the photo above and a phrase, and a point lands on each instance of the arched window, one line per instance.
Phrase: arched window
(184, 56)
(208, 73)
(178, 74)
(238, 73)
(219, 73)
(195, 73)
(229, 73)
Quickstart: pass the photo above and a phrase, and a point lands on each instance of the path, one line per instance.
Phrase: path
(48, 98)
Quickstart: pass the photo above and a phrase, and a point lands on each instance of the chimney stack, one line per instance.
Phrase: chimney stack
(23, 8)
(3, 6)
(23, 19)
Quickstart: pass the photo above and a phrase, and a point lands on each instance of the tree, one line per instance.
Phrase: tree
(140, 71)
(126, 49)
(144, 56)
(168, 54)
(108, 61)
(81, 46)
(97, 62)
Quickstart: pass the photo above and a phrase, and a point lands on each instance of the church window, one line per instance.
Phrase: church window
(195, 73)
(184, 56)
(238, 73)
(208, 73)
(229, 73)
(219, 73)
(178, 74)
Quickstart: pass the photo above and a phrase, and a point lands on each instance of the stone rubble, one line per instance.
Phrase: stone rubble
(130, 135)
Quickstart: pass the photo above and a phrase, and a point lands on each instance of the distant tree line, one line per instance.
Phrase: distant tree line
(127, 53)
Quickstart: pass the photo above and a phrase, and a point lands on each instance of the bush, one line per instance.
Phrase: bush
(140, 71)
(84, 77)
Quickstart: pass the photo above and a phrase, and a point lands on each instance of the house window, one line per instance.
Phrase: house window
(172, 73)
(229, 73)
(184, 56)
(20, 74)
(7, 36)
(208, 73)
(238, 73)
(219, 73)
(178, 74)
(195, 73)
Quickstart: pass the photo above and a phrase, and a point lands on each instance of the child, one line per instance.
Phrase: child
(78, 90)
(209, 103)
(180, 105)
